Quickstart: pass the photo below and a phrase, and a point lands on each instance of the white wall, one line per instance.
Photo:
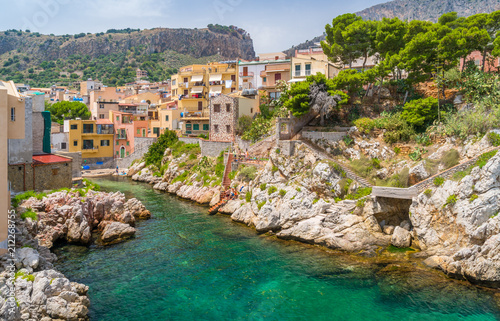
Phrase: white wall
(57, 139)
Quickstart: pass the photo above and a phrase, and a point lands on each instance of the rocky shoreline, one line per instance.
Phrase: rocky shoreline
(41, 292)
(453, 227)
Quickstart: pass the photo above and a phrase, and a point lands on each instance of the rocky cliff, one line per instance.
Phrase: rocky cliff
(194, 42)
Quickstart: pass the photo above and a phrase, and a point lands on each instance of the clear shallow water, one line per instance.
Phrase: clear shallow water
(186, 265)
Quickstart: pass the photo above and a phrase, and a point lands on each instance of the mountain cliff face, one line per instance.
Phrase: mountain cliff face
(194, 42)
(416, 10)
(428, 9)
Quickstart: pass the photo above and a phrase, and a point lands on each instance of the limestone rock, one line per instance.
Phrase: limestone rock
(401, 237)
(116, 232)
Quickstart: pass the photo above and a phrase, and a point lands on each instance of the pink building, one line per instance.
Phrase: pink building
(491, 63)
(124, 133)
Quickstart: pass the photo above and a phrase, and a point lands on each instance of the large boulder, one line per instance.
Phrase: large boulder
(116, 232)
(401, 237)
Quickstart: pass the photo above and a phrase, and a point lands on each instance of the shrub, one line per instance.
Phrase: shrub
(260, 204)
(423, 139)
(473, 198)
(89, 185)
(272, 189)
(348, 140)
(450, 158)
(192, 156)
(397, 129)
(363, 166)
(232, 175)
(30, 214)
(397, 150)
(274, 169)
(420, 112)
(451, 200)
(18, 199)
(282, 192)
(263, 186)
(28, 277)
(438, 181)
(248, 197)
(181, 178)
(484, 158)
(364, 125)
(155, 152)
(494, 139)
(361, 192)
(428, 192)
(361, 203)
(248, 173)
(183, 164)
(376, 163)
(316, 200)
(298, 189)
(278, 151)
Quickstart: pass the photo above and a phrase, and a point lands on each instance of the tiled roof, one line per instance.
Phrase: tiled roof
(50, 159)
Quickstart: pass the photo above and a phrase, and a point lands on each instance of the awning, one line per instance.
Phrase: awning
(197, 78)
(296, 80)
(197, 90)
(215, 89)
(217, 77)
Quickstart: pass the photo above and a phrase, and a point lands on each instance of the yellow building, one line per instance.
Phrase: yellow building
(192, 88)
(93, 138)
(12, 115)
(166, 117)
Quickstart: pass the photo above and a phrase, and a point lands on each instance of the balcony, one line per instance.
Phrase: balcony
(247, 74)
(120, 136)
(90, 150)
(309, 72)
(192, 96)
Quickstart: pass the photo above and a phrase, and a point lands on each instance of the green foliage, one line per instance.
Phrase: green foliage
(181, 178)
(260, 204)
(364, 125)
(272, 189)
(420, 112)
(89, 185)
(450, 158)
(361, 203)
(282, 192)
(232, 174)
(274, 169)
(484, 158)
(244, 124)
(494, 139)
(394, 249)
(259, 128)
(19, 198)
(428, 192)
(182, 164)
(416, 154)
(397, 150)
(423, 139)
(30, 214)
(248, 173)
(248, 197)
(473, 198)
(451, 200)
(397, 129)
(28, 277)
(155, 152)
(263, 186)
(438, 181)
(361, 192)
(298, 189)
(348, 140)
(67, 110)
(316, 200)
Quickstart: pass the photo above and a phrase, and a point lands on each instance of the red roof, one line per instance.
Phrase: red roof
(104, 122)
(50, 159)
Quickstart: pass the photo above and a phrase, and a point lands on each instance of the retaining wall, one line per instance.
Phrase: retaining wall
(329, 136)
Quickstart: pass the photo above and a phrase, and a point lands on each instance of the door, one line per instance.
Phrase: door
(122, 152)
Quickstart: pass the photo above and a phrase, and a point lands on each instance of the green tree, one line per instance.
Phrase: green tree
(67, 110)
(420, 112)
(244, 123)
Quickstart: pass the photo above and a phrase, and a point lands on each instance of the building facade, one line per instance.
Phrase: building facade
(124, 133)
(93, 138)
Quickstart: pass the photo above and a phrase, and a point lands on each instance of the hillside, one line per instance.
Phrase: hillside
(113, 56)
(416, 10)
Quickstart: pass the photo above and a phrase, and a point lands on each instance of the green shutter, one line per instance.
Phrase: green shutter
(196, 126)
(205, 127)
(46, 131)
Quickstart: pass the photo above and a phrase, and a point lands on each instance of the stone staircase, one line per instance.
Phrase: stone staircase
(226, 181)
(262, 147)
(321, 153)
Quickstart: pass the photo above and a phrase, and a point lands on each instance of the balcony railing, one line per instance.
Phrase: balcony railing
(309, 72)
(120, 136)
(247, 74)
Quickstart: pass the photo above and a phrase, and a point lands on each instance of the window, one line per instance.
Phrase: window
(188, 127)
(196, 126)
(128, 153)
(185, 80)
(88, 144)
(117, 118)
(73, 127)
(101, 106)
(200, 105)
(105, 142)
(88, 128)
(166, 117)
(55, 171)
(13, 114)
(251, 110)
(216, 108)
(233, 77)
(75, 143)
(264, 80)
(186, 92)
(308, 69)
(277, 77)
(138, 131)
(216, 128)
(245, 71)
(117, 153)
(274, 95)
(63, 146)
(156, 130)
(228, 128)
(144, 132)
(101, 116)
(117, 143)
(297, 70)
(228, 108)
(205, 127)
(173, 82)
(128, 143)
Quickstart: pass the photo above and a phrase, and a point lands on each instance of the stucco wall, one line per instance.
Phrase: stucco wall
(21, 150)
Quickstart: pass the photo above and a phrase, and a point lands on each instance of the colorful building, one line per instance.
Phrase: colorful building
(279, 70)
(124, 133)
(93, 138)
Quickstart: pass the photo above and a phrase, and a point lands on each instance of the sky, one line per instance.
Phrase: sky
(273, 25)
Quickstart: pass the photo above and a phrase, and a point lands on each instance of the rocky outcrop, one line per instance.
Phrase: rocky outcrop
(70, 217)
(457, 225)
(116, 232)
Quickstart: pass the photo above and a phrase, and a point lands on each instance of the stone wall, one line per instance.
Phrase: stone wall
(287, 147)
(190, 140)
(140, 149)
(52, 176)
(329, 136)
(213, 149)
(21, 177)
(38, 126)
(220, 120)
(76, 164)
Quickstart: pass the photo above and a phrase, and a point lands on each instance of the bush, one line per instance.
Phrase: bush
(274, 169)
(473, 198)
(438, 181)
(451, 200)
(316, 200)
(263, 186)
(348, 140)
(155, 152)
(364, 125)
(248, 197)
(298, 189)
(30, 214)
(272, 189)
(260, 204)
(282, 192)
(361, 192)
(361, 203)
(420, 112)
(244, 124)
(494, 139)
(18, 199)
(248, 173)
(484, 158)
(428, 192)
(450, 158)
(397, 129)
(363, 166)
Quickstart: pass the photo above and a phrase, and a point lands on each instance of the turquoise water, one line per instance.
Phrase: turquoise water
(186, 265)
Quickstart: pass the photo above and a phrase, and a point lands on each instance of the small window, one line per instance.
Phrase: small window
(185, 80)
(277, 77)
(117, 153)
(88, 128)
(74, 127)
(166, 117)
(228, 108)
(55, 171)
(173, 82)
(228, 128)
(101, 106)
(105, 142)
(251, 110)
(101, 116)
(128, 143)
(138, 131)
(217, 108)
(196, 126)
(216, 128)
(88, 144)
(206, 127)
(63, 146)
(264, 80)
(75, 143)
(117, 143)
(13, 114)
(200, 105)
(128, 153)
(186, 92)
(233, 77)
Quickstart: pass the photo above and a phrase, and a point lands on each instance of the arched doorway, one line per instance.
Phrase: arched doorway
(122, 152)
